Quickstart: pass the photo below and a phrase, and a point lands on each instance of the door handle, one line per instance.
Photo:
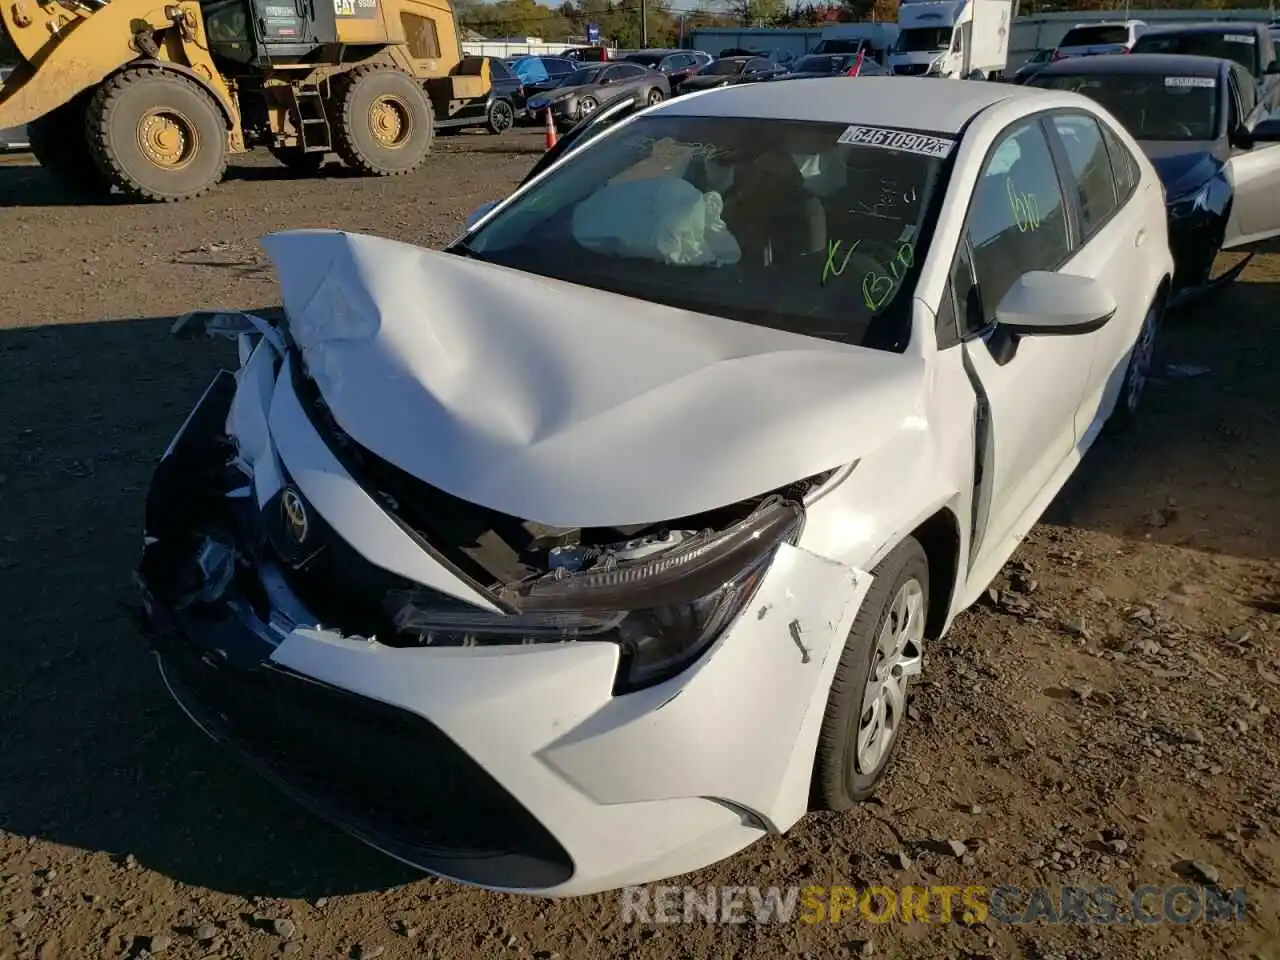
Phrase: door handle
(1141, 237)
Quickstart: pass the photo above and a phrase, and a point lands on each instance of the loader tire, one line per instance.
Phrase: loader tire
(157, 135)
(61, 145)
(299, 162)
(382, 120)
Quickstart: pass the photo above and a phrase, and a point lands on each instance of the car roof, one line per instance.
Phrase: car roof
(1182, 64)
(918, 103)
(1217, 26)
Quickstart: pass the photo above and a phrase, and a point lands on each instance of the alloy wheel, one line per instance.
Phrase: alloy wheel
(896, 659)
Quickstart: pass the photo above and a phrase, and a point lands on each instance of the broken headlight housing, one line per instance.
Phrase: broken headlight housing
(664, 610)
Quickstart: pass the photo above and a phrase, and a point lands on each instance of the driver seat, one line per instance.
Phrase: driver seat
(771, 214)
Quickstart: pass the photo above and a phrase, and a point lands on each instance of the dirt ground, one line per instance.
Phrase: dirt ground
(1111, 716)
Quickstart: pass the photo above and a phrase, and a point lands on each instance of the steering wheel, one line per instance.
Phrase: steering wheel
(874, 268)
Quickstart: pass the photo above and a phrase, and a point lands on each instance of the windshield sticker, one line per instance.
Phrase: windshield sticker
(889, 139)
(1026, 212)
(1206, 82)
(1240, 38)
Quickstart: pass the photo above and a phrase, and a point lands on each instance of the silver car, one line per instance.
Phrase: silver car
(15, 138)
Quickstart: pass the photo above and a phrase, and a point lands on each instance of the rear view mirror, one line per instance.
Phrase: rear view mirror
(1041, 303)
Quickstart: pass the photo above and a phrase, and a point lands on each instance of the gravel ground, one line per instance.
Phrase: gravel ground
(1109, 716)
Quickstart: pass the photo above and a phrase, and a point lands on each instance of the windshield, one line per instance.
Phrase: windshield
(723, 67)
(823, 63)
(581, 77)
(1242, 47)
(1150, 106)
(852, 45)
(814, 228)
(924, 39)
(1095, 36)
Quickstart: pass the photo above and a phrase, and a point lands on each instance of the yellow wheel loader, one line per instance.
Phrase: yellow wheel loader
(152, 97)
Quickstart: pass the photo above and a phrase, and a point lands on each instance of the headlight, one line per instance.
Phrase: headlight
(664, 611)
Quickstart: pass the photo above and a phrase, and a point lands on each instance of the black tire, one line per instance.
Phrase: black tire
(188, 153)
(61, 145)
(381, 94)
(299, 161)
(838, 780)
(586, 106)
(1142, 361)
(500, 117)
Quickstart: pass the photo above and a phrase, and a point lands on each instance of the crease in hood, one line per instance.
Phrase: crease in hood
(570, 406)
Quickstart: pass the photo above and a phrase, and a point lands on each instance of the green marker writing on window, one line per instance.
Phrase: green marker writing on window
(1026, 211)
(830, 269)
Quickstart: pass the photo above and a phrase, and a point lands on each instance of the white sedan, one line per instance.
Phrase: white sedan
(596, 547)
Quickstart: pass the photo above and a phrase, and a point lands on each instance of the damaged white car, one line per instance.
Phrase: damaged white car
(607, 541)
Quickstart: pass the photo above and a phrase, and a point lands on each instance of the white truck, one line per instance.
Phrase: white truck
(875, 40)
(954, 39)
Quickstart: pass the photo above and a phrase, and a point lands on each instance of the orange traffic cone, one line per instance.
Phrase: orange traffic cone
(551, 130)
(857, 64)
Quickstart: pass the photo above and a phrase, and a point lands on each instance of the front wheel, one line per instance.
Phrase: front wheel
(1141, 363)
(655, 96)
(157, 135)
(867, 706)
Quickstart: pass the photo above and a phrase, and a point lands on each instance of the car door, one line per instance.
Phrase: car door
(1032, 388)
(1254, 171)
(1111, 234)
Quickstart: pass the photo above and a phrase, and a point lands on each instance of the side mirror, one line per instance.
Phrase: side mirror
(480, 211)
(1266, 131)
(1243, 137)
(1054, 304)
(1273, 67)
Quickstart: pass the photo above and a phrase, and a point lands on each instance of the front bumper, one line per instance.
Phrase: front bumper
(507, 767)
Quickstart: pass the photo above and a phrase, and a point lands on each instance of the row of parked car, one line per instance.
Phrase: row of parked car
(572, 90)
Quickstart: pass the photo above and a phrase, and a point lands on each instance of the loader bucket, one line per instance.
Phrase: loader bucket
(83, 54)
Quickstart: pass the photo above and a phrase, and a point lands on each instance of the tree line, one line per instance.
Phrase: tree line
(670, 21)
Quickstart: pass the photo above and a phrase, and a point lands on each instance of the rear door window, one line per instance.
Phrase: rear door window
(1123, 165)
(1091, 178)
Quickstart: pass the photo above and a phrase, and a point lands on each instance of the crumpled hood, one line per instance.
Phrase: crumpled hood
(1182, 167)
(570, 406)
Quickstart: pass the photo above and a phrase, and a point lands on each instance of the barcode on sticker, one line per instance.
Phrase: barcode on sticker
(905, 140)
(1207, 82)
(1240, 38)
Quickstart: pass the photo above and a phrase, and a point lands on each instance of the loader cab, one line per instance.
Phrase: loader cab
(260, 33)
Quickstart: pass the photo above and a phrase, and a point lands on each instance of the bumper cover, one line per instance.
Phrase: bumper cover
(507, 767)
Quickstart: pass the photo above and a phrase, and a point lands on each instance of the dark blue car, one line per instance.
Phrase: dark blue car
(1199, 121)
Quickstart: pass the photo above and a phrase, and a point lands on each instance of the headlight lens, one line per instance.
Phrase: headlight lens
(664, 611)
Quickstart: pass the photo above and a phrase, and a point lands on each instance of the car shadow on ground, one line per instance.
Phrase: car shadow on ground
(1201, 467)
(96, 756)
